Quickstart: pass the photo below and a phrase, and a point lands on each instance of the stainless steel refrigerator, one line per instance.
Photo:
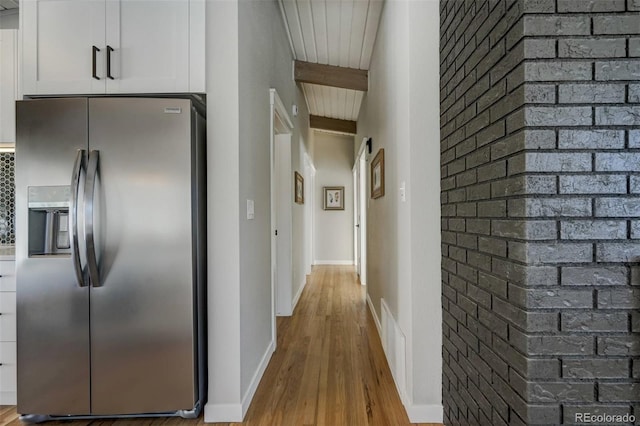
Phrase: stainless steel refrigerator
(110, 232)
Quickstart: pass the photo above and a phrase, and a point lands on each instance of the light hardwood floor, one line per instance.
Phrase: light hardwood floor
(329, 368)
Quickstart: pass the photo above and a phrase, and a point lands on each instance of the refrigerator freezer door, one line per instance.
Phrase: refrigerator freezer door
(52, 309)
(142, 314)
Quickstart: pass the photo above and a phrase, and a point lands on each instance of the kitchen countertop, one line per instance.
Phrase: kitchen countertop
(7, 252)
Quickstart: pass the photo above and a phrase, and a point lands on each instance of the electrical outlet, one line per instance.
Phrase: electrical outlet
(251, 213)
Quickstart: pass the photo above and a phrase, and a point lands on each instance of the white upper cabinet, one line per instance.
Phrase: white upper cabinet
(58, 38)
(8, 84)
(150, 42)
(112, 46)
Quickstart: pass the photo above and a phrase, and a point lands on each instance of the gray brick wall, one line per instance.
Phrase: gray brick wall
(482, 171)
(540, 165)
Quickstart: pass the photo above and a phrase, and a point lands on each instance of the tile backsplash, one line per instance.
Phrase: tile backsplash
(7, 198)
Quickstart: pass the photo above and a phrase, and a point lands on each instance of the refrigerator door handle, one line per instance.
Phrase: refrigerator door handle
(73, 216)
(89, 194)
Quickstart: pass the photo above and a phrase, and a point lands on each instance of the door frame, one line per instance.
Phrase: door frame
(309, 206)
(280, 124)
(356, 217)
(361, 201)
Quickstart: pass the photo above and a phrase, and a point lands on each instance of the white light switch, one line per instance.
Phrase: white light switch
(251, 213)
(403, 196)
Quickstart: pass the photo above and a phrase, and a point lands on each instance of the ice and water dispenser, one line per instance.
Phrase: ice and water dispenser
(49, 220)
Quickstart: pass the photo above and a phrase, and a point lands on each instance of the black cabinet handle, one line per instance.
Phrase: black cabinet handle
(109, 50)
(93, 53)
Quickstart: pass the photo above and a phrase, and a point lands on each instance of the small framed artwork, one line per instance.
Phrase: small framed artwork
(377, 175)
(299, 188)
(334, 197)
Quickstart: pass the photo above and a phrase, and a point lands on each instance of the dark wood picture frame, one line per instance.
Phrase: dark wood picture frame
(298, 188)
(377, 175)
(333, 197)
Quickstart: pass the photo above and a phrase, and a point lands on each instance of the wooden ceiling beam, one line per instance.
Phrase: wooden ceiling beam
(329, 75)
(333, 124)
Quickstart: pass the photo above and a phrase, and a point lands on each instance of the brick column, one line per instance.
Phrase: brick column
(541, 214)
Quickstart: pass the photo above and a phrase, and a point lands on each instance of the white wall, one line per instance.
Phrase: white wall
(401, 114)
(223, 213)
(248, 53)
(265, 62)
(424, 124)
(333, 237)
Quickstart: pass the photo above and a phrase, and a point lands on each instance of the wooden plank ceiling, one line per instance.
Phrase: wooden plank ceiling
(340, 33)
(8, 4)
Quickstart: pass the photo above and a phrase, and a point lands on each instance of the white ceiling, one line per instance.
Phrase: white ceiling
(333, 32)
(8, 4)
(333, 102)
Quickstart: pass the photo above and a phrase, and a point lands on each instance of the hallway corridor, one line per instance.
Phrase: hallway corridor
(329, 368)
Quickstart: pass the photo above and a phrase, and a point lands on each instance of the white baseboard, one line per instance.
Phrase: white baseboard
(298, 294)
(222, 413)
(375, 316)
(425, 413)
(255, 381)
(234, 413)
(333, 262)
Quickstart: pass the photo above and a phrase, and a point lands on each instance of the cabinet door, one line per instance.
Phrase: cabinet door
(8, 317)
(7, 275)
(150, 42)
(58, 36)
(8, 373)
(8, 86)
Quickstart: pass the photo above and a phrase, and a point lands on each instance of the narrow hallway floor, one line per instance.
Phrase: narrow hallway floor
(329, 368)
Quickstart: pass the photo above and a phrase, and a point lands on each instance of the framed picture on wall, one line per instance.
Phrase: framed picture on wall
(333, 197)
(377, 175)
(299, 188)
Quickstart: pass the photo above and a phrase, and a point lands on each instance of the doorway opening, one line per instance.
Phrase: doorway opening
(281, 215)
(284, 223)
(360, 212)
